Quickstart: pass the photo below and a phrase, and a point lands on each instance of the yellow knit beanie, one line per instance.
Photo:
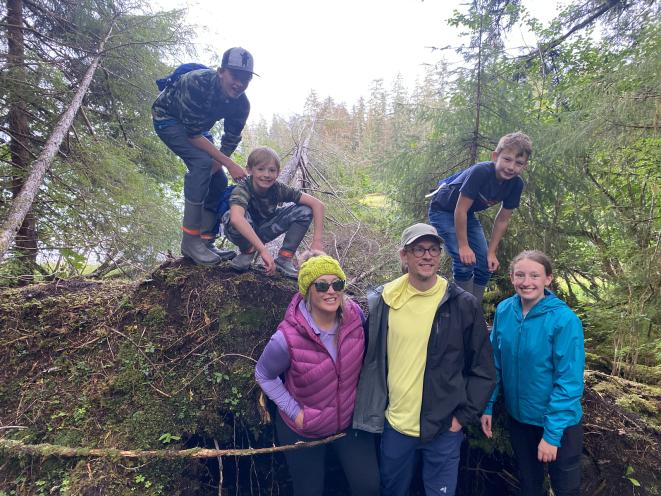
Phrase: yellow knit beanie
(316, 267)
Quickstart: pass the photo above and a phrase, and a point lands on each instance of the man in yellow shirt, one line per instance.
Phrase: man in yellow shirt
(428, 369)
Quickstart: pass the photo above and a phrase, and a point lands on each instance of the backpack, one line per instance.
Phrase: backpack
(224, 204)
(177, 73)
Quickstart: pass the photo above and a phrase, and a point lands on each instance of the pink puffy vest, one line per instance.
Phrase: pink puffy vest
(325, 390)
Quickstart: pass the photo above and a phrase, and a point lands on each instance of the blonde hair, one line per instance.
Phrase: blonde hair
(517, 141)
(263, 155)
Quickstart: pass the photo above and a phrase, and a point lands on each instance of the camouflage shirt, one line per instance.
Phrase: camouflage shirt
(197, 101)
(262, 207)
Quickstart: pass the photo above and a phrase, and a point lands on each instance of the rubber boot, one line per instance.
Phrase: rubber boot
(192, 245)
(478, 291)
(208, 230)
(465, 285)
(284, 264)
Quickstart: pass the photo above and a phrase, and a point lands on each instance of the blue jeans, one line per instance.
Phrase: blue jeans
(199, 185)
(440, 462)
(444, 224)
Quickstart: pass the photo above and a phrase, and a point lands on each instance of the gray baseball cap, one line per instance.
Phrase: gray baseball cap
(416, 231)
(238, 59)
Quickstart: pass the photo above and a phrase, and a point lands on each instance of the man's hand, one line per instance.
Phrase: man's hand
(269, 263)
(492, 262)
(485, 420)
(466, 255)
(299, 419)
(456, 426)
(546, 452)
(237, 173)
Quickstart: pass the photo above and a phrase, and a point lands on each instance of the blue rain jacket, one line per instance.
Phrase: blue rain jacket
(539, 362)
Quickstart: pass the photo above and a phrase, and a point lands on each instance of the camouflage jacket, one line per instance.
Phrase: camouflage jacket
(197, 102)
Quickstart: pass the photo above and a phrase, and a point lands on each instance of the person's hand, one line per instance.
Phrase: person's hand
(299, 419)
(237, 173)
(269, 263)
(466, 255)
(485, 420)
(492, 262)
(456, 426)
(546, 452)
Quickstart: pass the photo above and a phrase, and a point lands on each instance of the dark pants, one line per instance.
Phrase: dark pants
(356, 452)
(440, 462)
(564, 472)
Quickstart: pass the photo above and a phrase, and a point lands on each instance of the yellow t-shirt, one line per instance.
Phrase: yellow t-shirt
(409, 325)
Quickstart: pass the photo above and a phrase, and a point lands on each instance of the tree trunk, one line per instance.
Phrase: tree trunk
(23, 200)
(19, 132)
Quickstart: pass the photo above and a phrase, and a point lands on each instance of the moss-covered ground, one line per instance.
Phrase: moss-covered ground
(168, 363)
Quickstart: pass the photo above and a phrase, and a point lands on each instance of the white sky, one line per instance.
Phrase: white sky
(335, 48)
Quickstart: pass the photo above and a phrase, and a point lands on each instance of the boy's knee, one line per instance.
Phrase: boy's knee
(303, 212)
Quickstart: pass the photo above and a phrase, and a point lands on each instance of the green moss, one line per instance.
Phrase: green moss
(156, 317)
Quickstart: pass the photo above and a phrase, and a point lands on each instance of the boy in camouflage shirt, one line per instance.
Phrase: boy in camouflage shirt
(183, 114)
(254, 217)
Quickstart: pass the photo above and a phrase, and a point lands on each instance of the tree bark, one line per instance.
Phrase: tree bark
(23, 200)
(19, 132)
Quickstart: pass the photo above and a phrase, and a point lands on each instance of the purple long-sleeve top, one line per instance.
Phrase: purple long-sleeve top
(275, 360)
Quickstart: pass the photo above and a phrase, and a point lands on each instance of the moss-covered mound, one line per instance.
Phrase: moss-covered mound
(168, 362)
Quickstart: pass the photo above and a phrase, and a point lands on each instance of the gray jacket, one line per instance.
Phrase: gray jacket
(459, 373)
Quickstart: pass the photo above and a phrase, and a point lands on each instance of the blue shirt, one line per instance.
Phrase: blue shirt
(480, 184)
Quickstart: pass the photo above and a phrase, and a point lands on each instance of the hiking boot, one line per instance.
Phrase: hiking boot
(285, 265)
(242, 261)
(224, 255)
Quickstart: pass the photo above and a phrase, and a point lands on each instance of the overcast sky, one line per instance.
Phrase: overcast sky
(335, 48)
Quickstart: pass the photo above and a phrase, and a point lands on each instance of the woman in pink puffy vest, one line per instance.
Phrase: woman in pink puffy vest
(318, 349)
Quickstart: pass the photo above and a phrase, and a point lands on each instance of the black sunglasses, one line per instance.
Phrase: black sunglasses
(323, 286)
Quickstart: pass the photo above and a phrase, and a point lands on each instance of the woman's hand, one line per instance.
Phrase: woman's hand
(546, 452)
(299, 419)
(486, 425)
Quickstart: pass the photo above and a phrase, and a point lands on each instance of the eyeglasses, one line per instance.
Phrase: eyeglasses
(418, 251)
(323, 286)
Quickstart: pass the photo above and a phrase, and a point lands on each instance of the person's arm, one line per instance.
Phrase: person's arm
(464, 204)
(235, 170)
(317, 218)
(568, 367)
(499, 227)
(274, 361)
(239, 222)
(480, 374)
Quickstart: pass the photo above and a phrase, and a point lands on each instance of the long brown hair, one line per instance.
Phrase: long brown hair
(536, 256)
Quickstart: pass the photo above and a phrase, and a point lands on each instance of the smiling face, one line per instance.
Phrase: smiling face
(263, 175)
(510, 163)
(326, 302)
(234, 83)
(529, 279)
(422, 269)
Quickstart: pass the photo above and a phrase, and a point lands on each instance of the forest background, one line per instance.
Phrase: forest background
(588, 95)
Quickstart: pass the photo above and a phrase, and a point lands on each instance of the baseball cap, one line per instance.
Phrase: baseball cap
(416, 231)
(238, 59)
